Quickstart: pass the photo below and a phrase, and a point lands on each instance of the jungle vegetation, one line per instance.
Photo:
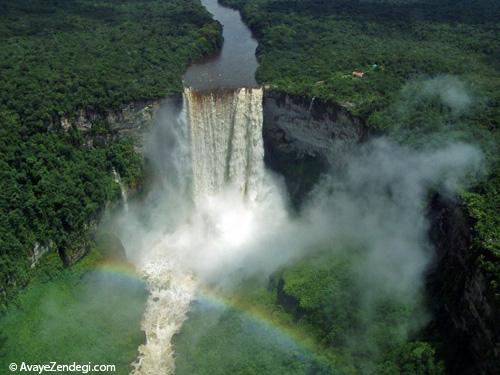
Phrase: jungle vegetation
(312, 47)
(56, 58)
(309, 319)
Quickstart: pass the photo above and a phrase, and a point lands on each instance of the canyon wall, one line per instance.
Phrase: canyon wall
(133, 120)
(464, 309)
(304, 138)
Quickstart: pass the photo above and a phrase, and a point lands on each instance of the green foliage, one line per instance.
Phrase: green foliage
(412, 358)
(332, 329)
(64, 319)
(311, 47)
(366, 330)
(56, 58)
(61, 56)
(126, 161)
(324, 295)
(484, 208)
(219, 339)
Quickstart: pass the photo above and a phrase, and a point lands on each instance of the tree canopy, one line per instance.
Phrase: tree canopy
(56, 58)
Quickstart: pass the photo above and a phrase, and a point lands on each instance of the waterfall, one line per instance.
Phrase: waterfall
(224, 131)
(123, 192)
(170, 294)
(226, 140)
(311, 104)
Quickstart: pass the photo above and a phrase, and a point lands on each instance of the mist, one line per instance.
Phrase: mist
(452, 92)
(377, 201)
(375, 207)
(63, 320)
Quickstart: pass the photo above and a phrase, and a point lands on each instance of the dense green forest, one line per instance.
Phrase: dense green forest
(57, 57)
(413, 54)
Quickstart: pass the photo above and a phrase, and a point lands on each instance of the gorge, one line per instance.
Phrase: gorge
(223, 198)
(267, 231)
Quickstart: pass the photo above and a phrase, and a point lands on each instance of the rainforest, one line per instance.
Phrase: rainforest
(250, 186)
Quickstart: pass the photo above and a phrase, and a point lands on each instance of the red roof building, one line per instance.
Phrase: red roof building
(358, 73)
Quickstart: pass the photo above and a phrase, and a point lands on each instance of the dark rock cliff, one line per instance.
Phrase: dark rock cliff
(304, 138)
(466, 318)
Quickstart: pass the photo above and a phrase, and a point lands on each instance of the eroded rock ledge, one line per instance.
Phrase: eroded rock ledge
(133, 120)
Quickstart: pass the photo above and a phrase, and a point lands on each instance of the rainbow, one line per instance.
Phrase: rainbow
(268, 319)
(120, 269)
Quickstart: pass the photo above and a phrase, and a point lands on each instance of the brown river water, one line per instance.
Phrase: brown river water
(235, 64)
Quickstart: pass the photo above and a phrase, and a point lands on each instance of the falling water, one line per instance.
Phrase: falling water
(123, 192)
(226, 152)
(311, 104)
(170, 294)
(226, 140)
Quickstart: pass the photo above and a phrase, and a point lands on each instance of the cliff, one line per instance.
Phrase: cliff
(304, 138)
(133, 120)
(466, 317)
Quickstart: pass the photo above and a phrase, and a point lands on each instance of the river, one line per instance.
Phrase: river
(235, 64)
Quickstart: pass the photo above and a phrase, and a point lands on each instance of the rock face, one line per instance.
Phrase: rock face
(132, 120)
(79, 244)
(304, 138)
(465, 315)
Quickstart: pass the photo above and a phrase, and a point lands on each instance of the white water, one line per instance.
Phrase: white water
(227, 184)
(218, 219)
(170, 294)
(226, 141)
(123, 191)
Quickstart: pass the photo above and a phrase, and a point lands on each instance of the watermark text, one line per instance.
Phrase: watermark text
(58, 367)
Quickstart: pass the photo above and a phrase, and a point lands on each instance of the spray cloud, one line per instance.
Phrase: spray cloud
(238, 228)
